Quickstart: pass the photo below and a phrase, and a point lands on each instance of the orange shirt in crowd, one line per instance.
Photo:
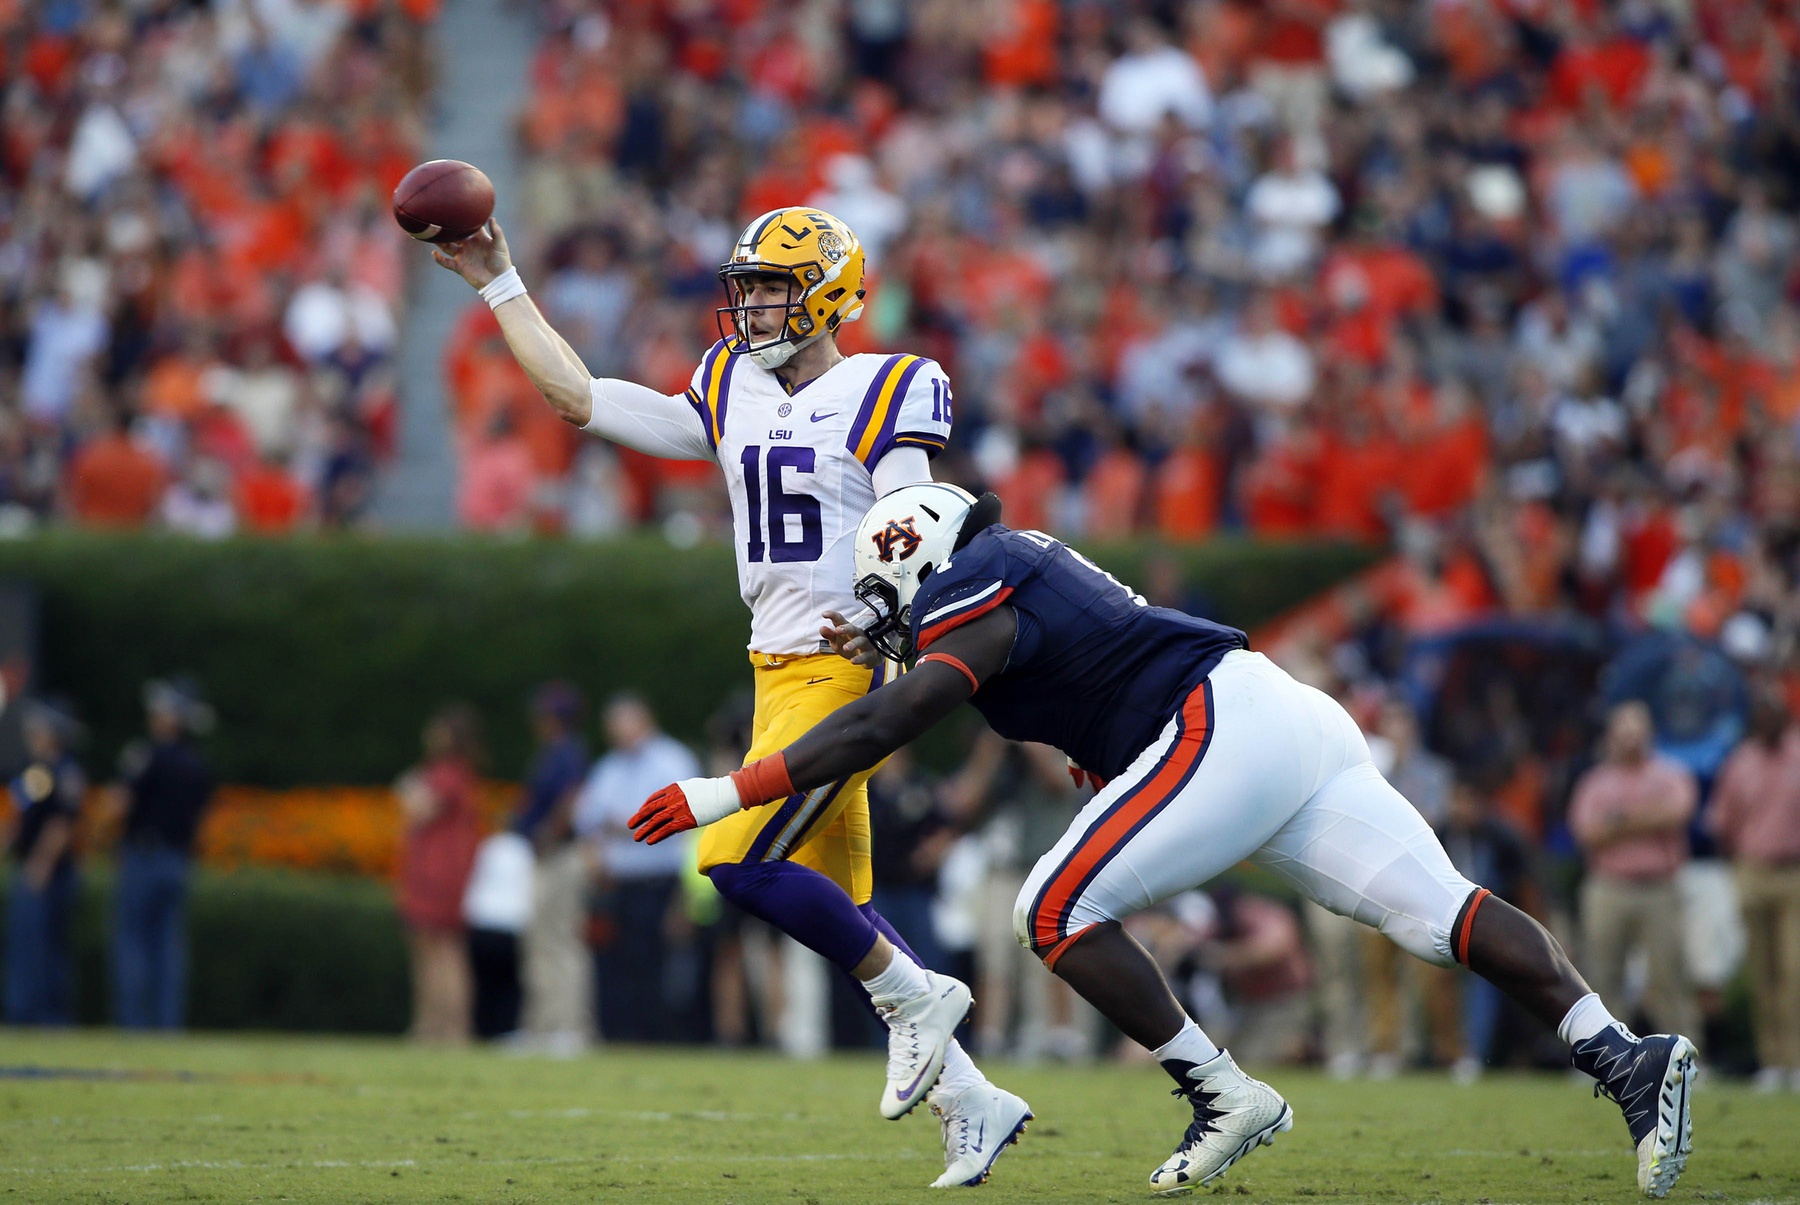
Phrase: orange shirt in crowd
(1020, 49)
(270, 499)
(1354, 480)
(1617, 68)
(1187, 494)
(1444, 471)
(1293, 33)
(1027, 491)
(172, 388)
(115, 483)
(1115, 492)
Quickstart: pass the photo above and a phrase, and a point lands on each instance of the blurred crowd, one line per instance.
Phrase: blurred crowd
(1509, 284)
(200, 281)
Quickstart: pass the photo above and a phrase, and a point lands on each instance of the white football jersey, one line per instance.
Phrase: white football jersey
(799, 469)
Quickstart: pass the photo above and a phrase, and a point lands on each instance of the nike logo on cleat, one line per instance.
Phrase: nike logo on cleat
(817, 417)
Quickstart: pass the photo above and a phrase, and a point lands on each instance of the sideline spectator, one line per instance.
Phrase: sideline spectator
(1019, 799)
(559, 976)
(637, 885)
(908, 836)
(1756, 815)
(1630, 815)
(437, 855)
(167, 787)
(1261, 962)
(1484, 849)
(40, 911)
(1389, 978)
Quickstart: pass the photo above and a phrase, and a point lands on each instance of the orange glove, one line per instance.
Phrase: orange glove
(668, 812)
(693, 802)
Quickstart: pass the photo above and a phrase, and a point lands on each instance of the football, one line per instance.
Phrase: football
(443, 201)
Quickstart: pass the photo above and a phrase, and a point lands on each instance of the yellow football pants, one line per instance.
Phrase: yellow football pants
(827, 828)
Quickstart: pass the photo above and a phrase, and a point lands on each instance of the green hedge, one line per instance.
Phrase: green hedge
(323, 656)
(268, 950)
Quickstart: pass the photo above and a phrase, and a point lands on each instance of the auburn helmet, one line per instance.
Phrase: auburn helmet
(822, 264)
(906, 536)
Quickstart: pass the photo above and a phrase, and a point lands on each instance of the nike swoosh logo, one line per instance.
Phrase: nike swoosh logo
(819, 418)
(816, 681)
(980, 1133)
(912, 1087)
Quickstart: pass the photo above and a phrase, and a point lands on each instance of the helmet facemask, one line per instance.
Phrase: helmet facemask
(796, 328)
(891, 629)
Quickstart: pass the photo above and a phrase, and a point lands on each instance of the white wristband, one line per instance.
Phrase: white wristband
(710, 799)
(502, 288)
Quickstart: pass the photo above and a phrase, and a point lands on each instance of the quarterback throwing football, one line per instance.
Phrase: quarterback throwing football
(1209, 754)
(808, 439)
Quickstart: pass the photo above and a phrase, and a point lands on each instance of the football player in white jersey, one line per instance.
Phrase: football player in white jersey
(808, 438)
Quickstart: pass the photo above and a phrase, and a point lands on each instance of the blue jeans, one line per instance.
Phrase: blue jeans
(39, 983)
(150, 938)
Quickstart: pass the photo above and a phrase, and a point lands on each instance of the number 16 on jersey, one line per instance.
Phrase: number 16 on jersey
(782, 544)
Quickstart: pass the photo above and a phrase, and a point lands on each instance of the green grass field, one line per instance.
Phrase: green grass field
(274, 1118)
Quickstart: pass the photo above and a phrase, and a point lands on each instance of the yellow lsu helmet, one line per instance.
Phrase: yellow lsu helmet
(822, 264)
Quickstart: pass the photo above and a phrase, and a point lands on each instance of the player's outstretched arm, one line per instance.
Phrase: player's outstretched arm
(483, 258)
(851, 739)
(622, 411)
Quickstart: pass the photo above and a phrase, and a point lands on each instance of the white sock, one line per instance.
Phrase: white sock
(960, 1072)
(1587, 1017)
(1191, 1045)
(902, 980)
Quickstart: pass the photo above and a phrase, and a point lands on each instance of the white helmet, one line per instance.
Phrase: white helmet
(904, 538)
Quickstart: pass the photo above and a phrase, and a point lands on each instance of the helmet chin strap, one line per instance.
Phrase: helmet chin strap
(777, 354)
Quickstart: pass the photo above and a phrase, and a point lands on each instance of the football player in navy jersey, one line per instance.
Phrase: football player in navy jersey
(1206, 754)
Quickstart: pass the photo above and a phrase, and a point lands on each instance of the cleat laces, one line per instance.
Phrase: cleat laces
(903, 1038)
(1205, 1115)
(956, 1131)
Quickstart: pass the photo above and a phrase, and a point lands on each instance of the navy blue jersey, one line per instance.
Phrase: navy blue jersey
(1095, 670)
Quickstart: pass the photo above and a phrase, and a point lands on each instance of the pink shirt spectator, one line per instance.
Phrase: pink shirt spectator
(1756, 804)
(1655, 791)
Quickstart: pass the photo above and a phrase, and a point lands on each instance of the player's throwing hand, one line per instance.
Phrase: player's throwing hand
(479, 258)
(848, 641)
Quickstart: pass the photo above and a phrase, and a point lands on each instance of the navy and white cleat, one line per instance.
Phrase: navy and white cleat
(1650, 1079)
(979, 1123)
(919, 1033)
(1233, 1115)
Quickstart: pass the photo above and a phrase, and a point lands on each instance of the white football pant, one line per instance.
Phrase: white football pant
(1255, 766)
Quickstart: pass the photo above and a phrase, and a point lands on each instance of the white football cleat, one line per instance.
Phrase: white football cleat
(919, 1032)
(1233, 1115)
(979, 1122)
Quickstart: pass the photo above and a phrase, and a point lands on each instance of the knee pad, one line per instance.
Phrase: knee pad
(1022, 917)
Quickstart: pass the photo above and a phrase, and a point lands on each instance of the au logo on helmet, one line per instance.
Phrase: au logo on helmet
(898, 534)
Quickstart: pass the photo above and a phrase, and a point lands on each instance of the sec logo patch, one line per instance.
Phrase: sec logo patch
(785, 409)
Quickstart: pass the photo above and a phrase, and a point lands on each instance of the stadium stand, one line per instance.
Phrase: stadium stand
(1507, 283)
(202, 282)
